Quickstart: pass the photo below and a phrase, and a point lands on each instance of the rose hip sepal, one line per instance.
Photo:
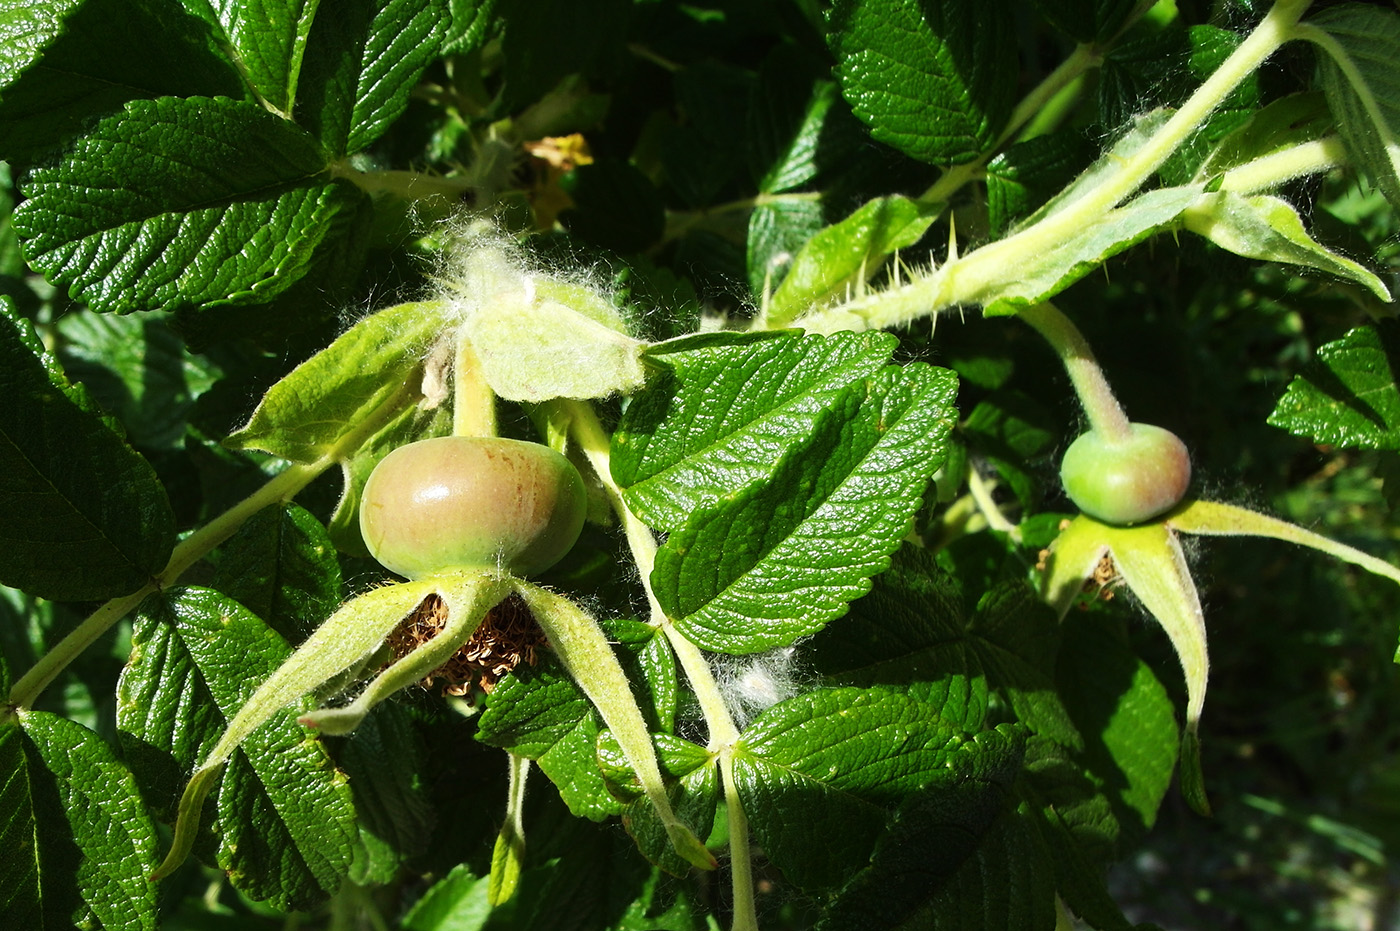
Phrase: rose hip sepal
(458, 502)
(1126, 480)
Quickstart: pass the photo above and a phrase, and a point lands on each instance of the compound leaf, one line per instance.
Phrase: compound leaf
(934, 80)
(197, 657)
(183, 202)
(86, 516)
(1347, 396)
(65, 64)
(268, 39)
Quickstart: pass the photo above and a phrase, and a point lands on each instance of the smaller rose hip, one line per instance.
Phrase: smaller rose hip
(459, 502)
(1126, 481)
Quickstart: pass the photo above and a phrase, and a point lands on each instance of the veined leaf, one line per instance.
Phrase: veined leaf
(1362, 86)
(1347, 396)
(197, 657)
(1269, 229)
(183, 202)
(694, 794)
(268, 39)
(64, 64)
(776, 561)
(305, 415)
(362, 60)
(86, 516)
(731, 407)
(820, 774)
(933, 80)
(78, 841)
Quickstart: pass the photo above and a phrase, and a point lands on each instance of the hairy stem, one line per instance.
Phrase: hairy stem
(740, 864)
(473, 401)
(1105, 414)
(1269, 171)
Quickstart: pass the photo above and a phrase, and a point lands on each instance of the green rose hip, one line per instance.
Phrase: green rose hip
(465, 502)
(1129, 480)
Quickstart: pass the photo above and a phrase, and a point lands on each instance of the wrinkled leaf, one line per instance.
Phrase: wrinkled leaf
(1347, 396)
(177, 203)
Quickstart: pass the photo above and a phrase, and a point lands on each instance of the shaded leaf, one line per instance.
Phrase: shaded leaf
(86, 516)
(820, 774)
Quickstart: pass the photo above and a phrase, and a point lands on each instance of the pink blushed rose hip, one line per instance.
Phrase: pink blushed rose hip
(463, 502)
(1126, 481)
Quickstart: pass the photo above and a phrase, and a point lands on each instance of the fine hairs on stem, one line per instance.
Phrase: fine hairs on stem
(753, 684)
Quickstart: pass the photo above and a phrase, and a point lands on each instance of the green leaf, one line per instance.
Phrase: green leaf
(384, 761)
(777, 561)
(933, 80)
(820, 774)
(183, 202)
(729, 409)
(1363, 87)
(1012, 429)
(778, 231)
(1127, 719)
(197, 657)
(361, 65)
(138, 369)
(78, 841)
(1043, 276)
(1347, 396)
(845, 255)
(788, 118)
(908, 634)
(64, 64)
(268, 39)
(1267, 228)
(539, 713)
(1024, 175)
(694, 794)
(282, 566)
(87, 518)
(457, 902)
(1006, 881)
(371, 367)
(471, 24)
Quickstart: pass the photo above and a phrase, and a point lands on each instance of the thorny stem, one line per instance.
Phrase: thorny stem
(974, 278)
(1105, 414)
(280, 488)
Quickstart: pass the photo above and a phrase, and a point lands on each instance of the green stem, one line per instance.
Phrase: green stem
(1269, 171)
(508, 856)
(280, 488)
(1105, 414)
(473, 401)
(406, 185)
(593, 441)
(740, 864)
(975, 277)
